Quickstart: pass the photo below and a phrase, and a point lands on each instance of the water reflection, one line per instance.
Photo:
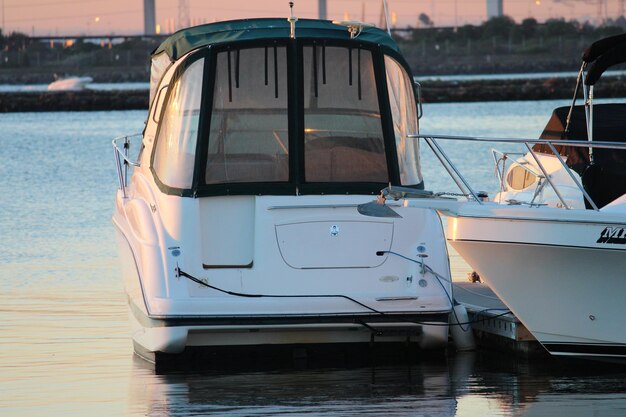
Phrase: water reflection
(65, 347)
(422, 389)
(501, 385)
(463, 384)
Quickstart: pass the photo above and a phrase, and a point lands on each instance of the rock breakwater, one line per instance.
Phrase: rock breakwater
(433, 91)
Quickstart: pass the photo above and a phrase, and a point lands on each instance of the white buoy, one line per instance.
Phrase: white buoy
(461, 330)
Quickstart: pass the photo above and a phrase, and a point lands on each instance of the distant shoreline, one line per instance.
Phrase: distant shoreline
(433, 91)
(85, 100)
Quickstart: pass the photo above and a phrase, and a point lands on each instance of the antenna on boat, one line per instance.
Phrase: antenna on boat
(292, 21)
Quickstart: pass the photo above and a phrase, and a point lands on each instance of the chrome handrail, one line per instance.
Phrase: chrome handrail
(546, 175)
(123, 154)
(517, 163)
(460, 179)
(573, 177)
(503, 157)
(574, 143)
(463, 184)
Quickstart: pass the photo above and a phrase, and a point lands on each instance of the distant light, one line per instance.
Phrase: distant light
(96, 19)
(538, 2)
(157, 29)
(394, 19)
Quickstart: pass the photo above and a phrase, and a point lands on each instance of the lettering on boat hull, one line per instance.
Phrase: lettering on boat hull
(613, 235)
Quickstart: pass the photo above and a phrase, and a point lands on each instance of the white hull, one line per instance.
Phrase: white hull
(170, 313)
(556, 277)
(156, 336)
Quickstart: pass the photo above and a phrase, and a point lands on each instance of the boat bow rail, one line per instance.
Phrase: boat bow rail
(467, 190)
(123, 161)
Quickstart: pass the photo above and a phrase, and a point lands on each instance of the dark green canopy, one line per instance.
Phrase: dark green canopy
(195, 37)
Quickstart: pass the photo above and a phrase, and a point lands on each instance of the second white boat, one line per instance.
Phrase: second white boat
(558, 266)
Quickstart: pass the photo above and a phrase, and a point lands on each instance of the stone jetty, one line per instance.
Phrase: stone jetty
(516, 89)
(433, 91)
(85, 100)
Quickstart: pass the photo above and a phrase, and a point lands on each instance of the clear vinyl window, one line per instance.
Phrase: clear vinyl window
(174, 155)
(343, 138)
(404, 114)
(248, 139)
(519, 178)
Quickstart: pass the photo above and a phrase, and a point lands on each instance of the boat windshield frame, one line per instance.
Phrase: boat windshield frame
(296, 183)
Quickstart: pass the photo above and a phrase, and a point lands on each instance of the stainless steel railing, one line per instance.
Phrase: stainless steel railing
(464, 185)
(122, 157)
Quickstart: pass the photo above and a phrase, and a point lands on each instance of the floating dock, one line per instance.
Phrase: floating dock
(492, 328)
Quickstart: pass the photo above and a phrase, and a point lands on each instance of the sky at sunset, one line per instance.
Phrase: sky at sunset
(94, 17)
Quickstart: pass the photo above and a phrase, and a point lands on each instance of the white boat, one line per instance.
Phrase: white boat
(560, 271)
(558, 266)
(526, 180)
(237, 226)
(69, 84)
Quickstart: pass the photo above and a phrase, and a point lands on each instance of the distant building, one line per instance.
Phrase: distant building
(149, 17)
(494, 8)
(321, 8)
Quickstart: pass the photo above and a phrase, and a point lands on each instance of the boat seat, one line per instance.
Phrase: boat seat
(248, 167)
(336, 164)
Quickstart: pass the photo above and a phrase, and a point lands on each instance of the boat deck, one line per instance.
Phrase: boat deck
(491, 328)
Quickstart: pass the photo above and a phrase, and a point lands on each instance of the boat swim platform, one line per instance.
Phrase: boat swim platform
(491, 328)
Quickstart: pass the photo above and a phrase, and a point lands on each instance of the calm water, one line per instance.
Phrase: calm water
(65, 347)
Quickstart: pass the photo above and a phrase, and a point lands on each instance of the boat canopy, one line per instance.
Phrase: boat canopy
(602, 46)
(602, 55)
(609, 165)
(186, 40)
(614, 56)
(251, 110)
(609, 125)
(228, 32)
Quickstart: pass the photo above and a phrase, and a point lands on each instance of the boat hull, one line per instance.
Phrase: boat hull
(278, 302)
(176, 335)
(557, 277)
